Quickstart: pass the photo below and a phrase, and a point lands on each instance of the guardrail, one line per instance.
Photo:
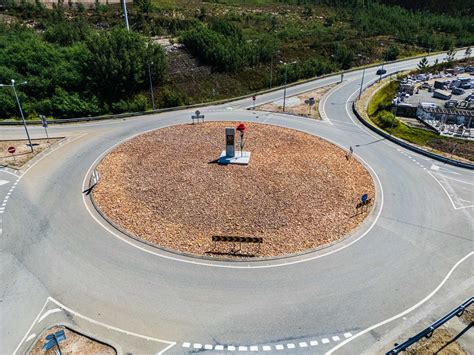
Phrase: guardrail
(427, 332)
(218, 102)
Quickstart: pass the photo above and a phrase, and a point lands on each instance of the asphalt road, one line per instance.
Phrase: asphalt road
(60, 262)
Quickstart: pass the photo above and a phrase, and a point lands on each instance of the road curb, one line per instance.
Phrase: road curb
(212, 103)
(408, 145)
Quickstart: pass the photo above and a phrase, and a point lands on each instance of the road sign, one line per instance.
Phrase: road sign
(54, 339)
(221, 238)
(197, 116)
(11, 150)
(309, 101)
(254, 97)
(44, 121)
(364, 198)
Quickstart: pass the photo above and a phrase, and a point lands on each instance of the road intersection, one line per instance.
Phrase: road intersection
(62, 263)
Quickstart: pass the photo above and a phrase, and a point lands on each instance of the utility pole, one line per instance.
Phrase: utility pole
(361, 83)
(151, 86)
(286, 77)
(271, 71)
(125, 13)
(12, 85)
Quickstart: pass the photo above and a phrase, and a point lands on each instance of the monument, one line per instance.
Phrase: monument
(229, 156)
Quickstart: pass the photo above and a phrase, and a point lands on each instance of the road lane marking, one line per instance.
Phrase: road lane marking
(313, 342)
(447, 193)
(3, 182)
(412, 308)
(46, 314)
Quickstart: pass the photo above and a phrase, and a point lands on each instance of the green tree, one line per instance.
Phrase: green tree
(391, 53)
(423, 64)
(117, 65)
(450, 55)
(343, 56)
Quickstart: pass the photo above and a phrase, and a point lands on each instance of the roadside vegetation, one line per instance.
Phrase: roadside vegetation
(81, 62)
(379, 110)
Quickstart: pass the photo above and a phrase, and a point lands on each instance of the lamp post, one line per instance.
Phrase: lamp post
(361, 83)
(151, 86)
(286, 76)
(125, 13)
(12, 85)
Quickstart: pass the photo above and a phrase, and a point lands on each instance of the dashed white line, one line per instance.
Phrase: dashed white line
(243, 348)
(336, 338)
(325, 340)
(279, 347)
(303, 344)
(313, 342)
(266, 348)
(347, 335)
(290, 346)
(186, 345)
(254, 348)
(197, 346)
(219, 347)
(231, 348)
(208, 347)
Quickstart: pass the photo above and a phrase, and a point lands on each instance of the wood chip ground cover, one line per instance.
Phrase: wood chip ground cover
(298, 192)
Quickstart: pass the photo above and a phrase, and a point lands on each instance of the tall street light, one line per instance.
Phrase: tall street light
(125, 13)
(12, 85)
(286, 76)
(151, 86)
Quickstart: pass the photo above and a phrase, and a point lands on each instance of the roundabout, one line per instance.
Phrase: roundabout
(63, 264)
(298, 193)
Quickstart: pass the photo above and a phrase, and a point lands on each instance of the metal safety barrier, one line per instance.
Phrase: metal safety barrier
(427, 332)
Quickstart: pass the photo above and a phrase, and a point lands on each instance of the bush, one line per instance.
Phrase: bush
(392, 53)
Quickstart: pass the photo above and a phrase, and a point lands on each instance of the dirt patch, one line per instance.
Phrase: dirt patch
(22, 151)
(300, 108)
(298, 192)
(74, 343)
(441, 342)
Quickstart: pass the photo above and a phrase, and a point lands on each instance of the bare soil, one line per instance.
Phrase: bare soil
(23, 151)
(441, 342)
(299, 192)
(300, 109)
(75, 343)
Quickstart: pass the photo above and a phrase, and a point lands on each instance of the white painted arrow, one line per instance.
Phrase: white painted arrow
(3, 182)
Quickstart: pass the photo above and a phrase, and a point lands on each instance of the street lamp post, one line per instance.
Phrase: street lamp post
(286, 76)
(151, 86)
(125, 13)
(12, 85)
(361, 83)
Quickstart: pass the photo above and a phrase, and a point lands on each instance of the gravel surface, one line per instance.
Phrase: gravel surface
(23, 152)
(298, 192)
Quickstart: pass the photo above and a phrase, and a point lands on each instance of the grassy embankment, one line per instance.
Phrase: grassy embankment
(379, 112)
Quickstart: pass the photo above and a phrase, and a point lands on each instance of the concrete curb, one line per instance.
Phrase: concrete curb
(408, 145)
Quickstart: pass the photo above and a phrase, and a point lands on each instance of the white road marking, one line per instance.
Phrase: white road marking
(424, 300)
(186, 345)
(279, 347)
(31, 337)
(266, 348)
(347, 335)
(325, 340)
(231, 348)
(447, 193)
(219, 347)
(336, 338)
(47, 313)
(31, 326)
(3, 182)
(243, 348)
(208, 347)
(254, 348)
(313, 342)
(451, 178)
(303, 344)
(290, 346)
(197, 346)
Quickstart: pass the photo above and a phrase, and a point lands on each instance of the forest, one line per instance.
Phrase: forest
(82, 62)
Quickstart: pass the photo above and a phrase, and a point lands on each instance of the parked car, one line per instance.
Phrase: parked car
(457, 91)
(425, 86)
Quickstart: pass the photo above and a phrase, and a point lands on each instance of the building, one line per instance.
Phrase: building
(446, 115)
(442, 94)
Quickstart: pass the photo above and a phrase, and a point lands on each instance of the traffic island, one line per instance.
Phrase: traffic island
(69, 342)
(305, 104)
(16, 153)
(298, 192)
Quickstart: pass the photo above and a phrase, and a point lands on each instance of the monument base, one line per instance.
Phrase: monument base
(241, 158)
